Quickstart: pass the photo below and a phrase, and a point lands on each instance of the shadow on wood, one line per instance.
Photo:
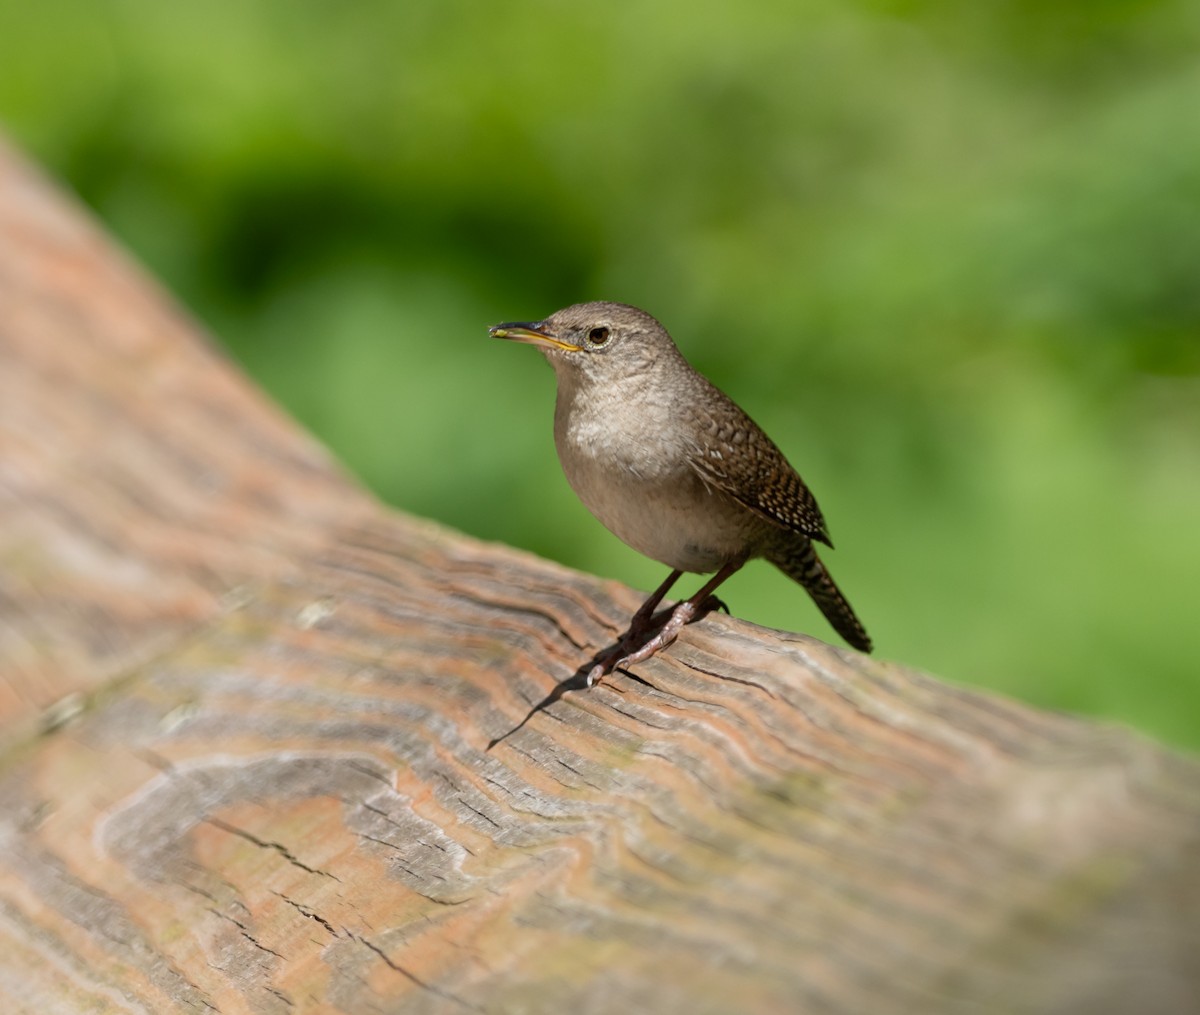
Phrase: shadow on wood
(246, 717)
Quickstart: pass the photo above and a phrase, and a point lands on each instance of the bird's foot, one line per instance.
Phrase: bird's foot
(608, 662)
(683, 614)
(649, 618)
(643, 622)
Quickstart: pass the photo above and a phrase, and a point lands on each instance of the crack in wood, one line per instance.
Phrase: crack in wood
(264, 844)
(245, 932)
(305, 911)
(409, 975)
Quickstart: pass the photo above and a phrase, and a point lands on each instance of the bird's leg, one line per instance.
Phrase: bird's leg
(638, 626)
(641, 619)
(681, 615)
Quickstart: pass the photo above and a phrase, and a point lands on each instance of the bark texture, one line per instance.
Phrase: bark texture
(266, 746)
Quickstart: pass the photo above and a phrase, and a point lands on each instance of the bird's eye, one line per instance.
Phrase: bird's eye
(598, 336)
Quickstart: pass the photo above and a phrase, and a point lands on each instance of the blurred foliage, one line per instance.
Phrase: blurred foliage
(947, 254)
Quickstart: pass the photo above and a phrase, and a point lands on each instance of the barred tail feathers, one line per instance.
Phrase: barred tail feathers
(799, 561)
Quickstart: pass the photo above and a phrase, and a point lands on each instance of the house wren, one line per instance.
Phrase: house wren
(672, 467)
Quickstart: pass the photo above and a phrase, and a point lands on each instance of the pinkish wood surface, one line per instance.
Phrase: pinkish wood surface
(246, 714)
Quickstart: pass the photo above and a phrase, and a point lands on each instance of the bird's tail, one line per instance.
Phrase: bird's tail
(799, 561)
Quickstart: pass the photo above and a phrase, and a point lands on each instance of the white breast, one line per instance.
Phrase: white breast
(630, 470)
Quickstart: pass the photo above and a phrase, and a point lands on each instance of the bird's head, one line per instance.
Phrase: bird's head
(595, 342)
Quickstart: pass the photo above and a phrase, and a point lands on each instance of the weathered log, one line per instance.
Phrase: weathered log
(270, 747)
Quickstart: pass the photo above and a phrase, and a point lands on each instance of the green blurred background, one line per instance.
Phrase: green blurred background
(947, 254)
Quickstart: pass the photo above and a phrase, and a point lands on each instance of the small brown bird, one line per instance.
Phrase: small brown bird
(672, 467)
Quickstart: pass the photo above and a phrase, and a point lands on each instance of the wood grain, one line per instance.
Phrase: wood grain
(269, 747)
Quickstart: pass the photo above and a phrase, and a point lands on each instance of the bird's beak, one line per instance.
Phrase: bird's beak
(533, 334)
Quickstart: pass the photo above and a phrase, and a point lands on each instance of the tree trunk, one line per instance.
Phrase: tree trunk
(268, 746)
